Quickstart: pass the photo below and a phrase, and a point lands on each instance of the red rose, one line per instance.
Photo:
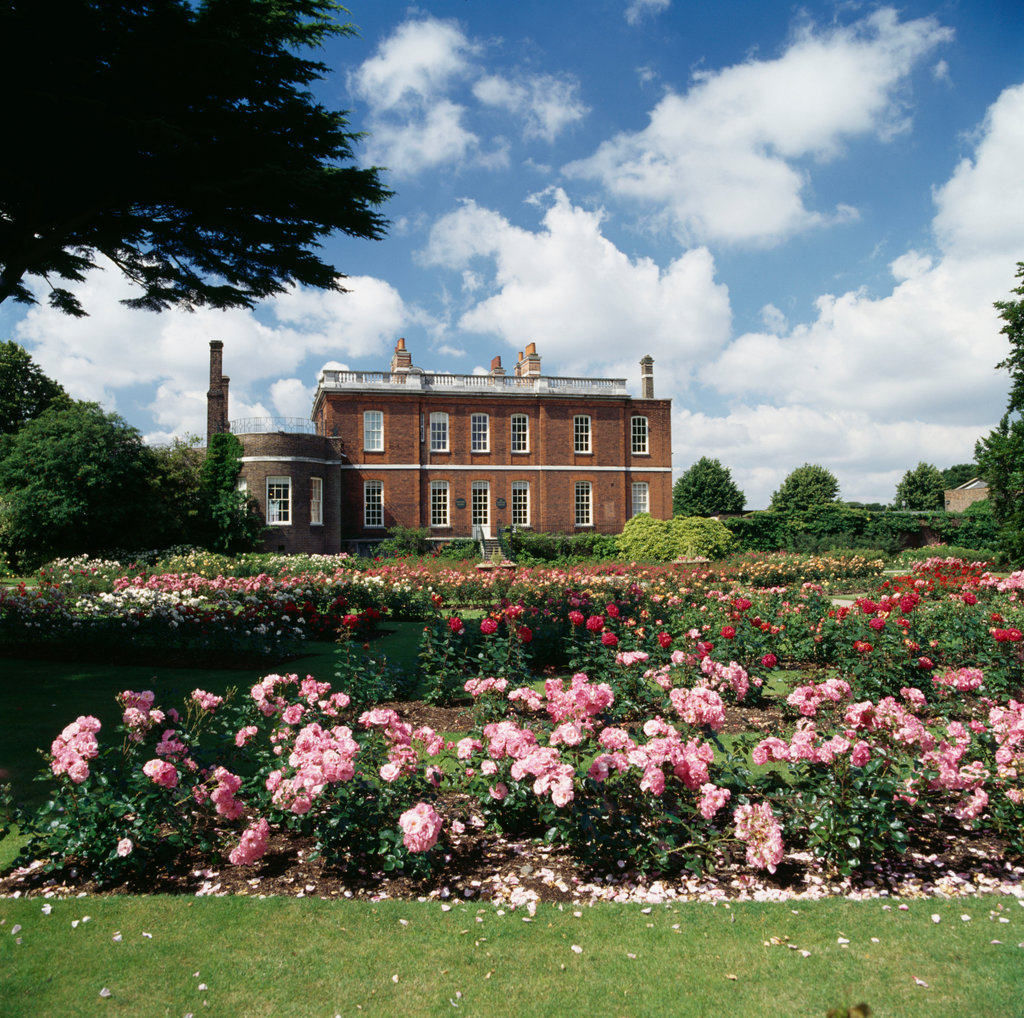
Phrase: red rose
(595, 623)
(769, 661)
(665, 639)
(609, 639)
(576, 618)
(525, 634)
(728, 632)
(862, 647)
(488, 626)
(456, 626)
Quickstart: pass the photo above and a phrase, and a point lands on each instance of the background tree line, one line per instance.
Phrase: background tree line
(75, 479)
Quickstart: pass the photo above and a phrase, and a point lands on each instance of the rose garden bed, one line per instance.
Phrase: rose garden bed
(617, 742)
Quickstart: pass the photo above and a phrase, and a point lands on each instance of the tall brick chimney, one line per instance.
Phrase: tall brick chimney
(217, 395)
(528, 364)
(647, 377)
(401, 360)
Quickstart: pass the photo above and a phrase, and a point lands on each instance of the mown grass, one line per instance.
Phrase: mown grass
(307, 958)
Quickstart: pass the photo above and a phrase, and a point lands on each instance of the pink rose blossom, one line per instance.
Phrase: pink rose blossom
(253, 844)
(420, 827)
(207, 701)
(162, 773)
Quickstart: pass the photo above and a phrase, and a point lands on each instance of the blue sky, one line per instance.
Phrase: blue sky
(803, 213)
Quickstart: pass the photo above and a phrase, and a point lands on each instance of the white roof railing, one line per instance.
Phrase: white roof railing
(511, 385)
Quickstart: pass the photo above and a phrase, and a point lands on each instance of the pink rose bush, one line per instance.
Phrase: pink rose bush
(74, 747)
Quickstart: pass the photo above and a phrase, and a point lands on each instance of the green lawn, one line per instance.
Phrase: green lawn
(308, 958)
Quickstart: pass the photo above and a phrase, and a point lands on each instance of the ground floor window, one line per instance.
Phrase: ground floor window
(584, 517)
(279, 500)
(521, 503)
(439, 503)
(481, 496)
(316, 501)
(641, 500)
(373, 504)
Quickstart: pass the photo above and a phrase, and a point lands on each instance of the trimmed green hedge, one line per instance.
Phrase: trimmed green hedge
(839, 526)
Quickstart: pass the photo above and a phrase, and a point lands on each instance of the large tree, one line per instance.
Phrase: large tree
(922, 488)
(179, 140)
(705, 489)
(25, 392)
(960, 473)
(1000, 456)
(76, 480)
(809, 485)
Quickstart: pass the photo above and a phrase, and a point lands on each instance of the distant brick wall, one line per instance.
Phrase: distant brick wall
(958, 499)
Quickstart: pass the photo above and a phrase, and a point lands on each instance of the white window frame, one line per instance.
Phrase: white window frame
(479, 433)
(439, 508)
(279, 505)
(639, 436)
(316, 501)
(641, 498)
(581, 440)
(373, 505)
(520, 433)
(438, 432)
(373, 430)
(521, 503)
(480, 503)
(583, 503)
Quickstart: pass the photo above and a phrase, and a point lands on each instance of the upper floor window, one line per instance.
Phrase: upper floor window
(581, 433)
(373, 431)
(639, 434)
(279, 500)
(479, 433)
(438, 432)
(520, 433)
(316, 500)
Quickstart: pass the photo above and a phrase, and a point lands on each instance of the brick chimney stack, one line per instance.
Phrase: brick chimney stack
(496, 368)
(401, 359)
(217, 395)
(647, 377)
(528, 365)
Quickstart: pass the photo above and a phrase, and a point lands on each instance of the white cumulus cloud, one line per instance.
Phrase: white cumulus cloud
(583, 301)
(725, 160)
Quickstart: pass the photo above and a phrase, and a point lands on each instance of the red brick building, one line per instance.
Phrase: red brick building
(458, 454)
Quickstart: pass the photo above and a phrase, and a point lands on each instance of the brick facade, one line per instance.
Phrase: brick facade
(299, 459)
(552, 454)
